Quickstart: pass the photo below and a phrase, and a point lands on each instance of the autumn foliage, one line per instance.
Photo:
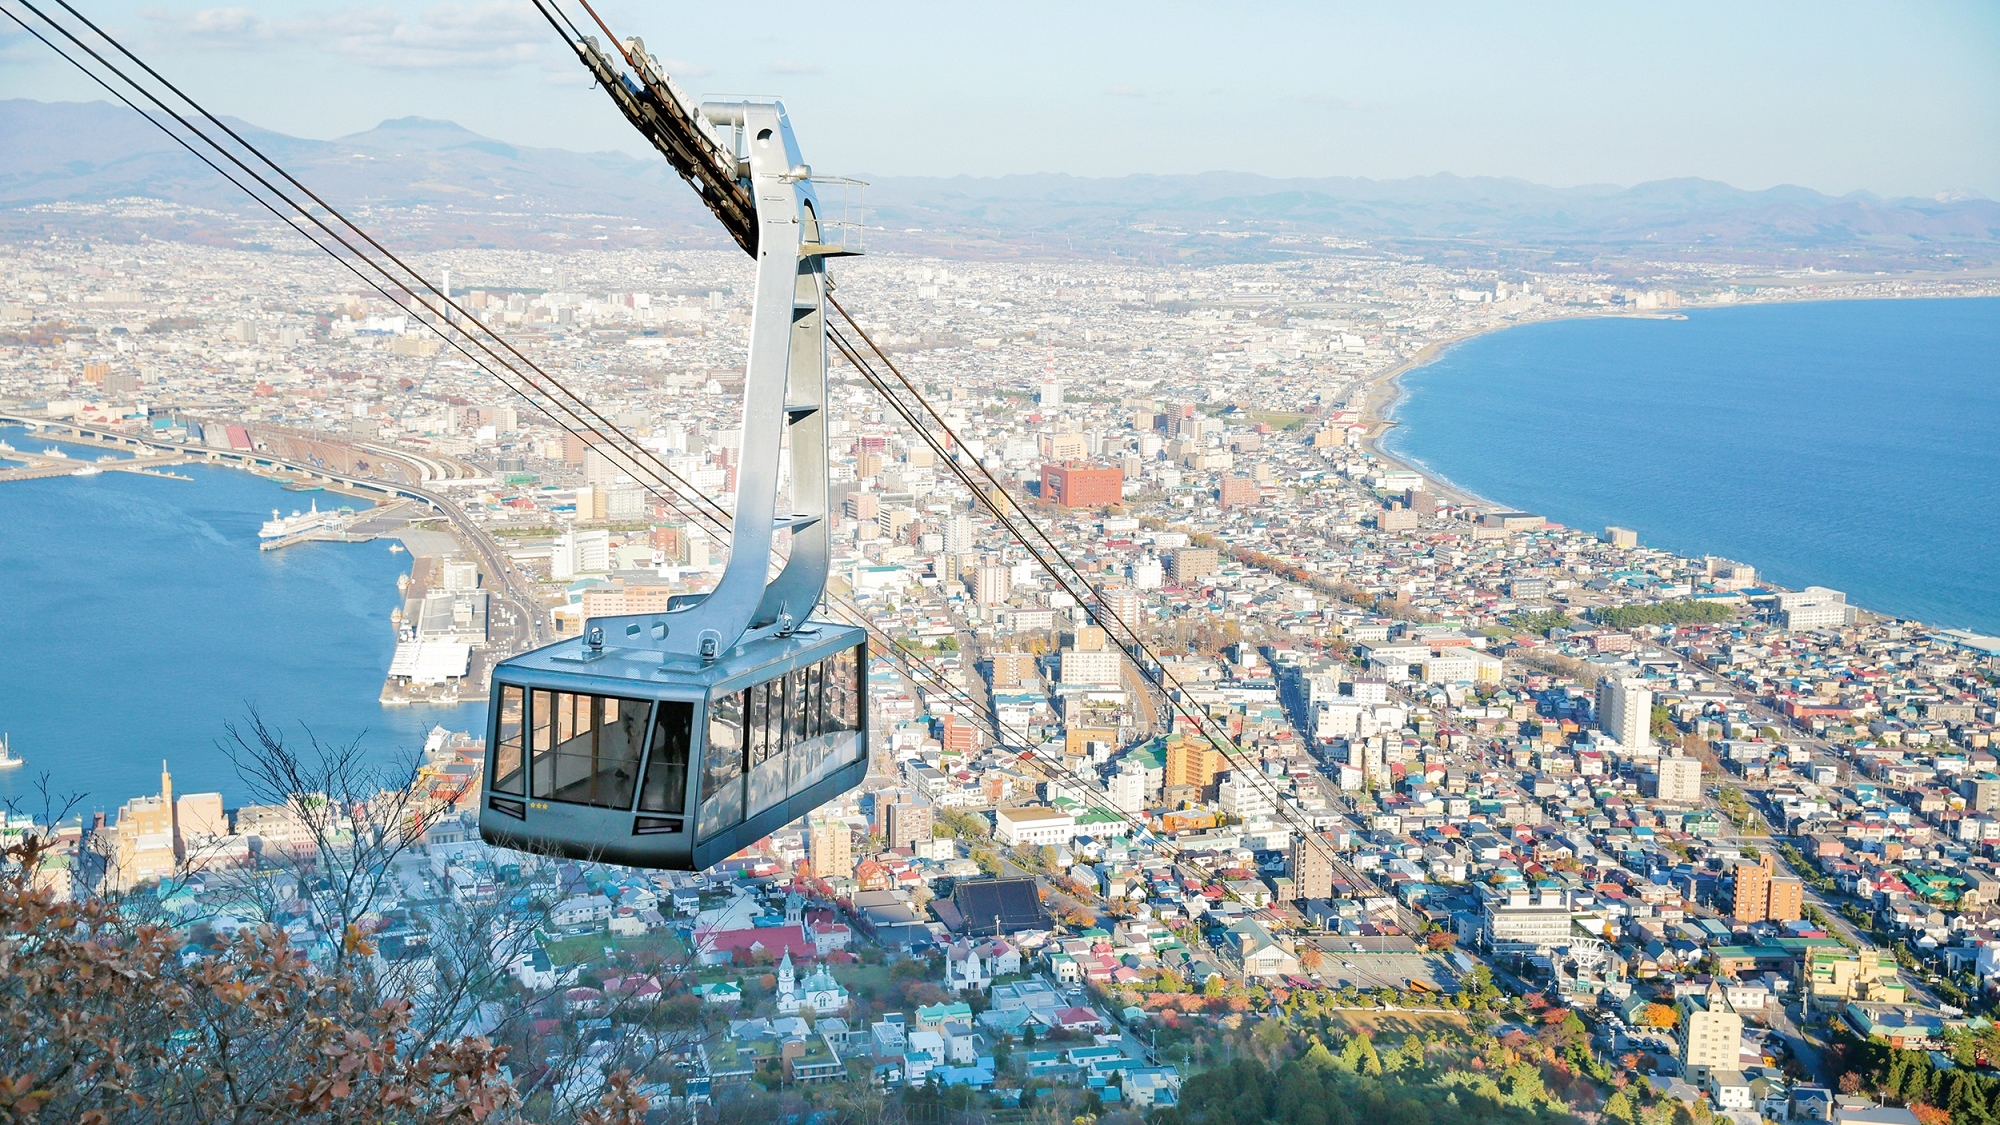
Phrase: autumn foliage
(106, 1020)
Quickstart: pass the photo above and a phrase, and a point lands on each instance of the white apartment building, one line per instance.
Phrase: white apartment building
(1245, 798)
(580, 552)
(1677, 779)
(991, 583)
(1815, 607)
(1713, 1035)
(1099, 668)
(1127, 789)
(1625, 712)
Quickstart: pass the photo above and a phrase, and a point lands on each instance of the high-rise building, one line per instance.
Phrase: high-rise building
(1121, 602)
(1713, 1037)
(599, 468)
(1192, 564)
(1244, 797)
(1238, 492)
(1092, 666)
(579, 552)
(1312, 867)
(1147, 572)
(1814, 607)
(1625, 712)
(830, 848)
(1193, 761)
(992, 582)
(958, 532)
(1677, 779)
(1623, 538)
(1753, 891)
(1078, 484)
(1013, 669)
(624, 503)
(907, 824)
(1127, 788)
(1787, 901)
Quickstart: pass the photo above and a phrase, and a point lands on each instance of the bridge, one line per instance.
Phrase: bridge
(248, 458)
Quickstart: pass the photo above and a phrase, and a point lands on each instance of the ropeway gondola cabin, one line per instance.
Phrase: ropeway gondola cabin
(676, 739)
(628, 760)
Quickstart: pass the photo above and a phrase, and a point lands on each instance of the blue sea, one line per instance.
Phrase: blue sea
(138, 620)
(1851, 444)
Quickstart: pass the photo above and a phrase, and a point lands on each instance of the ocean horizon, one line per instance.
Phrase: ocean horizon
(1850, 444)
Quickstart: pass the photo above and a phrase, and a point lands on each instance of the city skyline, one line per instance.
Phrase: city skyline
(1835, 100)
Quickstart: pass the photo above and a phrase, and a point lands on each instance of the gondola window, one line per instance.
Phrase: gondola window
(586, 748)
(665, 789)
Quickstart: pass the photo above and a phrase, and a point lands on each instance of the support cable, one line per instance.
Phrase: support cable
(553, 403)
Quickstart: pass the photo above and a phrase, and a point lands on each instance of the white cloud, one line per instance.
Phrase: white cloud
(486, 34)
(792, 66)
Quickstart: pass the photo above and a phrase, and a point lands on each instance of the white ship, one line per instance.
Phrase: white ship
(278, 527)
(87, 471)
(8, 759)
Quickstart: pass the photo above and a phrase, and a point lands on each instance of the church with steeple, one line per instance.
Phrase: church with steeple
(819, 991)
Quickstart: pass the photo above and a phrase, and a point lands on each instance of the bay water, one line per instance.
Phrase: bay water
(1851, 444)
(138, 620)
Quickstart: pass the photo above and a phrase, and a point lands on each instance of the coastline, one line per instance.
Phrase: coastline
(1384, 392)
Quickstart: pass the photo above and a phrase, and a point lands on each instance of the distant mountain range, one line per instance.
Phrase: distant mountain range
(466, 189)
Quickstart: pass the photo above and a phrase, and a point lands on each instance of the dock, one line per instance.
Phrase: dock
(364, 526)
(37, 465)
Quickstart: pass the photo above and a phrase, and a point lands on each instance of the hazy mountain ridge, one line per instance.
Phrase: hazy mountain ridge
(499, 193)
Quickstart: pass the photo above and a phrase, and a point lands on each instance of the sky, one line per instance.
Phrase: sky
(1897, 99)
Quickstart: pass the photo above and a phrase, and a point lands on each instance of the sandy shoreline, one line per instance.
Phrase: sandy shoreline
(1385, 390)
(1378, 414)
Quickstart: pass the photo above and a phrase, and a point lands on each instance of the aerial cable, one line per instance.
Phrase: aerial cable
(576, 402)
(717, 520)
(578, 426)
(671, 142)
(1143, 658)
(621, 443)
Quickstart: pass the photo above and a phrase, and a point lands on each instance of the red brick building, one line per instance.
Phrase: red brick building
(1080, 484)
(1239, 492)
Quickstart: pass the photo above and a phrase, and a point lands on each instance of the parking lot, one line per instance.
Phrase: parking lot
(1341, 966)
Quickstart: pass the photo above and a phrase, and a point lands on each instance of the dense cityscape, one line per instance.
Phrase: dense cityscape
(1544, 801)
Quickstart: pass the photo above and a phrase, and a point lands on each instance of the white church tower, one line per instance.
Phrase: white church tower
(788, 997)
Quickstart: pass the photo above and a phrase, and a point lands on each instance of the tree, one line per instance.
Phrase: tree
(346, 823)
(103, 1019)
(1618, 1107)
(1310, 958)
(262, 1015)
(1659, 1015)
